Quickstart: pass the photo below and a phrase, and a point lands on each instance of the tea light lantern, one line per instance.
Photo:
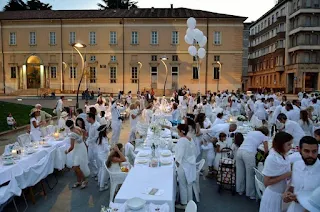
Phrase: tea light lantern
(14, 152)
(56, 135)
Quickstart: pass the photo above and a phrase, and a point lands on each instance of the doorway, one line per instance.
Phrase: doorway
(290, 82)
(175, 77)
(154, 77)
(33, 72)
(311, 81)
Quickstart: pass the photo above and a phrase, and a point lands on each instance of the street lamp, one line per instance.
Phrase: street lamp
(140, 66)
(218, 62)
(77, 46)
(163, 59)
(65, 65)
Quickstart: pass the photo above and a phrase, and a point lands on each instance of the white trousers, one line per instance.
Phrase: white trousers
(103, 174)
(245, 162)
(116, 129)
(185, 189)
(92, 156)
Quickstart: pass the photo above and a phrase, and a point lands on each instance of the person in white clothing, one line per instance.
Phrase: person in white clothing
(250, 107)
(219, 119)
(190, 103)
(92, 144)
(103, 150)
(305, 123)
(290, 127)
(35, 125)
(129, 152)
(62, 120)
(11, 121)
(209, 148)
(221, 143)
(305, 102)
(207, 110)
(260, 111)
(305, 173)
(246, 160)
(215, 130)
(134, 118)
(59, 106)
(129, 98)
(186, 165)
(116, 122)
(234, 107)
(276, 171)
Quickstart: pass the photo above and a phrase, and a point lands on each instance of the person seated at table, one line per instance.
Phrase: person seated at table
(219, 119)
(176, 117)
(129, 151)
(62, 120)
(116, 158)
(79, 155)
(186, 165)
(11, 122)
(103, 150)
(246, 160)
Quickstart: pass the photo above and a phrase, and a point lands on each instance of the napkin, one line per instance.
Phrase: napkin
(8, 149)
(159, 208)
(148, 190)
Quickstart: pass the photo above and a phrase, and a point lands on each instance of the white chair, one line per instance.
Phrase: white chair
(196, 185)
(24, 139)
(191, 207)
(258, 180)
(116, 178)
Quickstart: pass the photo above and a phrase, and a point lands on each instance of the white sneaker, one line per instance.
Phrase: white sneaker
(104, 188)
(240, 193)
(252, 198)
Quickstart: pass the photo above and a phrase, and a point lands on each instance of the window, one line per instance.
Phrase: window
(216, 73)
(92, 38)
(217, 38)
(154, 58)
(73, 72)
(72, 37)
(13, 38)
(194, 58)
(195, 73)
(53, 72)
(32, 38)
(134, 75)
(174, 71)
(13, 72)
(92, 58)
(216, 58)
(113, 37)
(134, 38)
(113, 58)
(282, 11)
(92, 74)
(277, 15)
(175, 37)
(113, 74)
(175, 58)
(308, 3)
(52, 38)
(154, 37)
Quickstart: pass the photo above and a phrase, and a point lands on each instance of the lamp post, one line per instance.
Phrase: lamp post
(65, 65)
(218, 62)
(77, 46)
(163, 59)
(140, 66)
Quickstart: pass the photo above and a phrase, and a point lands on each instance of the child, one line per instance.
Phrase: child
(103, 152)
(208, 146)
(11, 122)
(219, 146)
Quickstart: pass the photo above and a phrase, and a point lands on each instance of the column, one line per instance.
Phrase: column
(24, 77)
(42, 83)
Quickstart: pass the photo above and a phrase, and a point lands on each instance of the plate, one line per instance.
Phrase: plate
(8, 162)
(142, 161)
(136, 203)
(166, 153)
(143, 154)
(46, 145)
(166, 161)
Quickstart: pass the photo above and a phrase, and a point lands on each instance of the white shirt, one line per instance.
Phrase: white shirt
(59, 105)
(103, 149)
(304, 178)
(93, 133)
(207, 110)
(129, 152)
(134, 121)
(61, 123)
(305, 103)
(295, 130)
(115, 112)
(252, 141)
(10, 120)
(293, 115)
(32, 128)
(219, 128)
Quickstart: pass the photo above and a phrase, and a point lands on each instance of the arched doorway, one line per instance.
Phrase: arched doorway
(33, 72)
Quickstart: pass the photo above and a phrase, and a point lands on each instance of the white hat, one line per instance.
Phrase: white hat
(64, 114)
(310, 201)
(37, 105)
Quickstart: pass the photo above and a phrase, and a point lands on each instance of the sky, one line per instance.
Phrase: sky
(252, 9)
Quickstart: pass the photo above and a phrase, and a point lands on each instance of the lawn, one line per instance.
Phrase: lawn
(19, 112)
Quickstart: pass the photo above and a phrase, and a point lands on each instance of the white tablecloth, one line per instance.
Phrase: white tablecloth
(140, 178)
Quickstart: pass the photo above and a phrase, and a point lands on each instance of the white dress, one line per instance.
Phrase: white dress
(274, 166)
(143, 123)
(102, 151)
(261, 111)
(219, 154)
(210, 153)
(79, 154)
(35, 131)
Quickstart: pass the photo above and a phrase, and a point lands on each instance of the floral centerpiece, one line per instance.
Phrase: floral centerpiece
(163, 122)
(62, 129)
(155, 128)
(314, 118)
(241, 118)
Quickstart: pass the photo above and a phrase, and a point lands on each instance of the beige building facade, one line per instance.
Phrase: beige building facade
(123, 50)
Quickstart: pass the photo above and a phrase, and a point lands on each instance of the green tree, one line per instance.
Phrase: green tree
(117, 4)
(14, 5)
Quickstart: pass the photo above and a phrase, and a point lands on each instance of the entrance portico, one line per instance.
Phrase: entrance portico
(33, 75)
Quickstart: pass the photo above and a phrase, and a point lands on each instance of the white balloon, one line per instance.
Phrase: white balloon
(198, 34)
(192, 50)
(203, 41)
(191, 22)
(201, 53)
(188, 40)
(190, 33)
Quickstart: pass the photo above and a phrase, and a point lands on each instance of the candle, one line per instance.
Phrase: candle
(56, 135)
(14, 152)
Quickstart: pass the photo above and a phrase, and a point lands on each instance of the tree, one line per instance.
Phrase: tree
(14, 5)
(117, 4)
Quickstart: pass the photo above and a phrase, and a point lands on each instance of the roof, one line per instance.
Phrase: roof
(114, 13)
(279, 4)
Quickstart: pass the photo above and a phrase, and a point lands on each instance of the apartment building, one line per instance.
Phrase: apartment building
(284, 47)
(123, 50)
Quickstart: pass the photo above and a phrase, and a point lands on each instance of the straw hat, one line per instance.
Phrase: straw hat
(64, 114)
(310, 200)
(33, 111)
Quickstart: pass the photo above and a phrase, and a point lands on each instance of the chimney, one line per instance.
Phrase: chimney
(171, 5)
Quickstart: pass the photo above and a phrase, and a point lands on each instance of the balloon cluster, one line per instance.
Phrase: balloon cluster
(193, 36)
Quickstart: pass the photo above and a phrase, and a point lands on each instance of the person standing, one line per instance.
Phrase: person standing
(116, 122)
(35, 125)
(59, 106)
(92, 144)
(103, 150)
(44, 116)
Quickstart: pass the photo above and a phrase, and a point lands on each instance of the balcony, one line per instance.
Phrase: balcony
(279, 69)
(281, 19)
(304, 47)
(304, 29)
(304, 67)
(303, 11)
(279, 36)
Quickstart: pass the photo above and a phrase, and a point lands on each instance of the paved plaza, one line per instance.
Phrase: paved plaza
(62, 198)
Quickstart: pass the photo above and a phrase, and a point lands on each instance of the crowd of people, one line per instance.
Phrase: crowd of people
(203, 131)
